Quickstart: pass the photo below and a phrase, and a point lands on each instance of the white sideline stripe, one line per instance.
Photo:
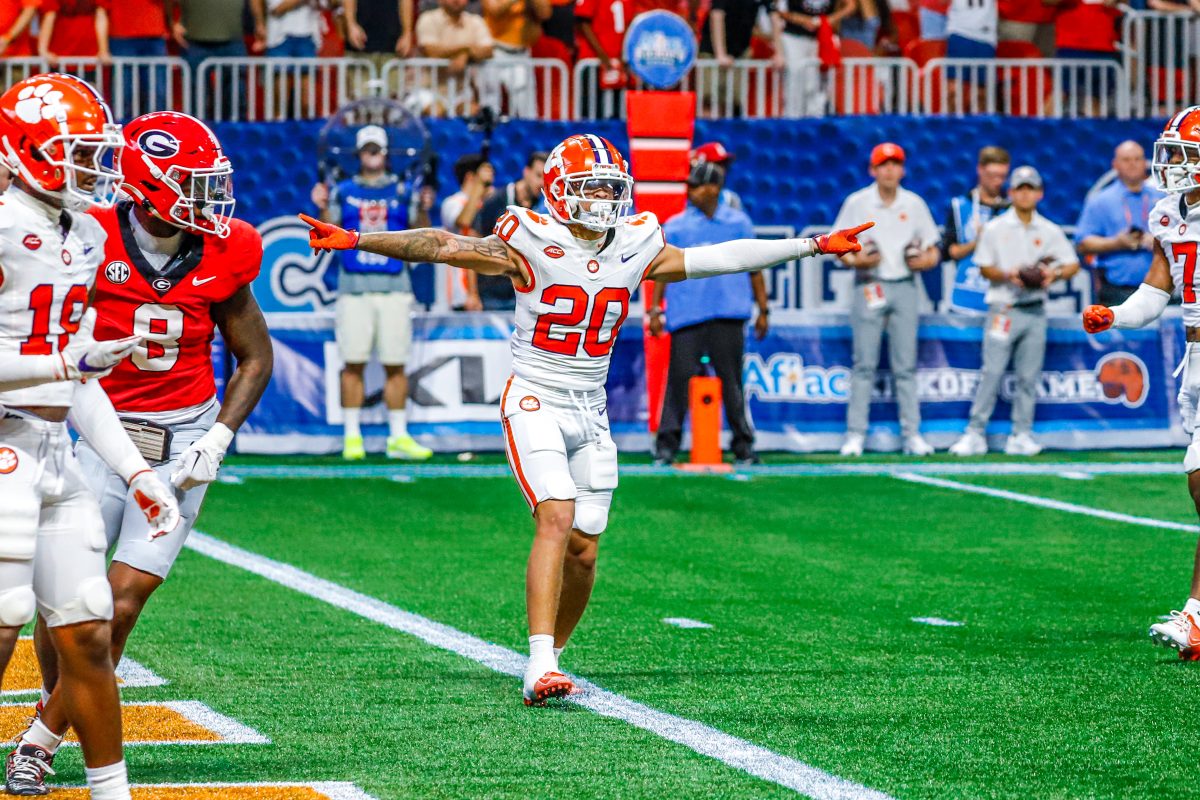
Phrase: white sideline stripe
(684, 622)
(1076, 475)
(230, 730)
(730, 750)
(1045, 502)
(132, 674)
(938, 622)
(334, 790)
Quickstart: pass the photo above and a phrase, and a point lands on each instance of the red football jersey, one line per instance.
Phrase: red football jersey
(172, 310)
(609, 19)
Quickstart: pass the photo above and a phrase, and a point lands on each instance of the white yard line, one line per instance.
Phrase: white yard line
(230, 730)
(684, 622)
(1045, 502)
(938, 622)
(703, 739)
(334, 790)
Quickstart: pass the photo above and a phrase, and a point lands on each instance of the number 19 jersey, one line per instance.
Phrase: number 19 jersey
(568, 317)
(1177, 229)
(170, 309)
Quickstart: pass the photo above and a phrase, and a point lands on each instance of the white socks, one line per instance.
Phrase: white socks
(108, 783)
(397, 422)
(42, 736)
(541, 652)
(558, 652)
(1192, 606)
(352, 417)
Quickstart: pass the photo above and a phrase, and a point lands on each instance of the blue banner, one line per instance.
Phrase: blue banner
(1113, 390)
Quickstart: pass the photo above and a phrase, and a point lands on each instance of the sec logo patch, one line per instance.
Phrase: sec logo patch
(8, 460)
(593, 266)
(117, 272)
(554, 251)
(530, 403)
(32, 241)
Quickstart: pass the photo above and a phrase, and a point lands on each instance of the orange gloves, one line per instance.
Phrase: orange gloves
(1097, 318)
(840, 242)
(326, 236)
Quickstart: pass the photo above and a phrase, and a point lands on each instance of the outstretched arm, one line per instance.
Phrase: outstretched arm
(1143, 306)
(487, 256)
(748, 255)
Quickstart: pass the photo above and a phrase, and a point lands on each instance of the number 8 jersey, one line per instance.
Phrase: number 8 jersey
(568, 317)
(171, 308)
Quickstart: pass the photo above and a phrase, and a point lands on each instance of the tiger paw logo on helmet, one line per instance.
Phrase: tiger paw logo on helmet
(38, 102)
(1123, 379)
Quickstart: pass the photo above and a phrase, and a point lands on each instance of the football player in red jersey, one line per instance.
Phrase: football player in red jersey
(176, 265)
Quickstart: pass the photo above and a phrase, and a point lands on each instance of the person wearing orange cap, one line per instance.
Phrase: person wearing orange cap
(886, 295)
(715, 153)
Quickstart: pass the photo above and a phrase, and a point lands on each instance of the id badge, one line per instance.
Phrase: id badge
(873, 294)
(1000, 328)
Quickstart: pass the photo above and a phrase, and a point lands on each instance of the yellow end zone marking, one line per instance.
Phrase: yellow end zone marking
(23, 675)
(326, 790)
(175, 722)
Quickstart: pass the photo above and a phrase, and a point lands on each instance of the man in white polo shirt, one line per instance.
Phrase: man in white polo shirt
(903, 242)
(1021, 253)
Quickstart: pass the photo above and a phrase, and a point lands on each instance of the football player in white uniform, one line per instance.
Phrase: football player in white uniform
(574, 272)
(57, 134)
(1175, 225)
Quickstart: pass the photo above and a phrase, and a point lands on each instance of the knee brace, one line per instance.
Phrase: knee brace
(17, 606)
(591, 513)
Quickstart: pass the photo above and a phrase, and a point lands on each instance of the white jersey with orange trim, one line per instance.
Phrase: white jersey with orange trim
(1177, 229)
(48, 262)
(568, 318)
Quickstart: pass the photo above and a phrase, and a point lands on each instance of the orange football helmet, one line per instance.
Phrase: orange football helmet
(58, 135)
(1176, 163)
(587, 182)
(174, 167)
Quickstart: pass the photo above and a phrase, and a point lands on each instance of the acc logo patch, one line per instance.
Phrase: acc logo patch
(161, 284)
(530, 403)
(8, 460)
(158, 144)
(32, 241)
(117, 272)
(1123, 378)
(554, 251)
(593, 266)
(66, 256)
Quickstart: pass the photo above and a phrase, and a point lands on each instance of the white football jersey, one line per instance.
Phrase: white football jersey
(567, 320)
(1177, 229)
(45, 278)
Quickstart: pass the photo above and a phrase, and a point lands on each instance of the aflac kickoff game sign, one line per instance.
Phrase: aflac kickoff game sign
(660, 48)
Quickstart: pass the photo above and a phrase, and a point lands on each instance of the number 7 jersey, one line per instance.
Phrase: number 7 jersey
(1177, 229)
(171, 309)
(568, 317)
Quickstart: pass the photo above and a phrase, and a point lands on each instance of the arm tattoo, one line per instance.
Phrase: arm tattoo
(437, 246)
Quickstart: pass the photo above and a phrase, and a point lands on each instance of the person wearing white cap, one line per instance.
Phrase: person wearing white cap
(375, 298)
(1022, 253)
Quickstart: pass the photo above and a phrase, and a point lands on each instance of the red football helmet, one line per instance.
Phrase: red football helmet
(578, 171)
(58, 135)
(175, 169)
(1176, 163)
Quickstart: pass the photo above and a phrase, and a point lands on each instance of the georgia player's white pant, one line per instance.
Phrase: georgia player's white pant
(51, 536)
(559, 448)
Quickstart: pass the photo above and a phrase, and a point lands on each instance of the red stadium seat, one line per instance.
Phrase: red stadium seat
(922, 50)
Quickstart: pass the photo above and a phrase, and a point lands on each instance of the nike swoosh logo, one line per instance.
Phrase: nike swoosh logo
(626, 258)
(198, 282)
(87, 248)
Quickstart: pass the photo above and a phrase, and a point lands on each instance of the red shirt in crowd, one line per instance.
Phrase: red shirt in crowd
(137, 19)
(609, 19)
(1084, 25)
(22, 45)
(1026, 11)
(74, 26)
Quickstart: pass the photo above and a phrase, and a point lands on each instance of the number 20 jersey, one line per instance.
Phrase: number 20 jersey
(568, 318)
(171, 310)
(1177, 229)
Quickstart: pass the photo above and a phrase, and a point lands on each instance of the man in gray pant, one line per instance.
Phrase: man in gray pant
(1021, 253)
(903, 242)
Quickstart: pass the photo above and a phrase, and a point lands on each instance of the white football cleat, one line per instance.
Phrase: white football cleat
(1021, 444)
(917, 446)
(1179, 632)
(970, 443)
(853, 446)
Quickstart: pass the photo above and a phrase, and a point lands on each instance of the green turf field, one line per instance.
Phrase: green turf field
(1049, 689)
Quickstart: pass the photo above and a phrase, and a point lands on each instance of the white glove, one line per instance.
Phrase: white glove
(85, 357)
(156, 501)
(199, 463)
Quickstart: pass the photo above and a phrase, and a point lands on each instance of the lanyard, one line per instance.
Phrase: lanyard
(1129, 214)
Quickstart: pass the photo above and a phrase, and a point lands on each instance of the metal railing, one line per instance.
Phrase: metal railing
(132, 86)
(1029, 87)
(531, 88)
(271, 89)
(1160, 56)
